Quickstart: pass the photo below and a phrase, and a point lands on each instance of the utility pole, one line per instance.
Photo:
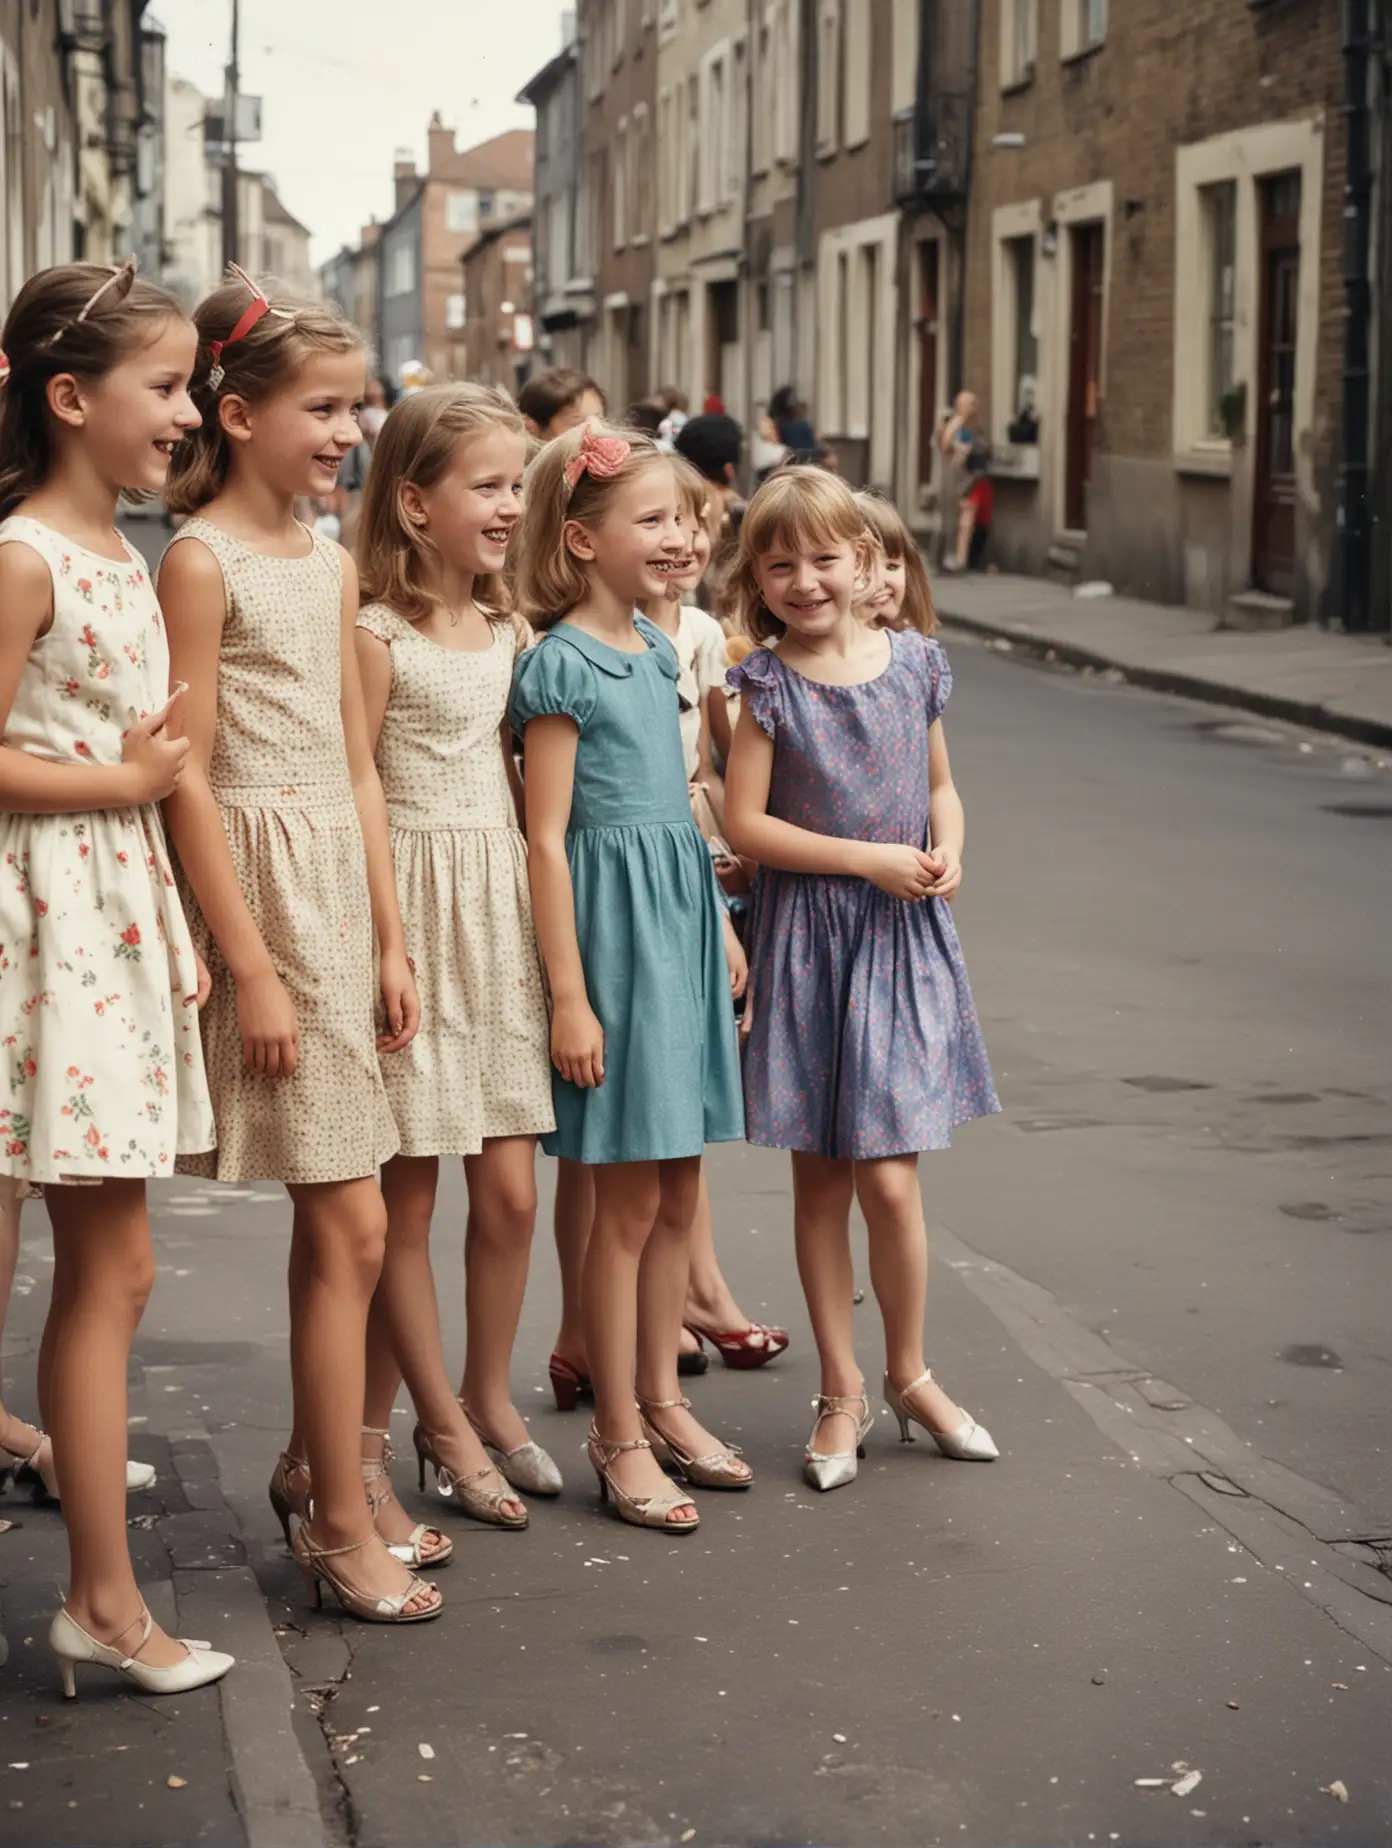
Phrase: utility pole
(229, 129)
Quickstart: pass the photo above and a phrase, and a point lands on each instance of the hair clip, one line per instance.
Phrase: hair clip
(257, 309)
(118, 272)
(4, 370)
(599, 456)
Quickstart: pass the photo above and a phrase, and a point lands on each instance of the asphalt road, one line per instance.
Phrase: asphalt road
(1163, 1281)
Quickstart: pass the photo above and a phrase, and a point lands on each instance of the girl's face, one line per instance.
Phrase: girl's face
(133, 417)
(471, 511)
(808, 585)
(885, 597)
(638, 544)
(300, 435)
(692, 568)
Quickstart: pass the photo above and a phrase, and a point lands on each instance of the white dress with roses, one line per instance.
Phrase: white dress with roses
(101, 1068)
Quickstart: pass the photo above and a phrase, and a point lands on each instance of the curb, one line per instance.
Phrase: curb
(1307, 713)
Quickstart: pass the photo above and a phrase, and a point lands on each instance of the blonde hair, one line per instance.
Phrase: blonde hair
(693, 490)
(795, 507)
(417, 445)
(892, 536)
(261, 363)
(549, 579)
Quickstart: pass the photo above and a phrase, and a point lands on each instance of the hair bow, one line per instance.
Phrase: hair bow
(250, 315)
(4, 370)
(599, 456)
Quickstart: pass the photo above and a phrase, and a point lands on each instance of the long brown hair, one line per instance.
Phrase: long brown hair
(894, 539)
(82, 318)
(795, 506)
(264, 360)
(417, 445)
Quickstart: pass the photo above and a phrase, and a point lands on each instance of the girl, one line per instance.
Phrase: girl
(898, 595)
(865, 1047)
(630, 927)
(98, 978)
(281, 831)
(436, 647)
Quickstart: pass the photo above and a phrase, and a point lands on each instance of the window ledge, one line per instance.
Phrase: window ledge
(1214, 462)
(639, 241)
(1015, 462)
(1016, 86)
(1082, 53)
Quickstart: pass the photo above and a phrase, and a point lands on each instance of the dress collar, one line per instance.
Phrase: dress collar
(615, 661)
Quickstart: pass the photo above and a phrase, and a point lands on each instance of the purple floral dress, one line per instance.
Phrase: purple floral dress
(865, 1041)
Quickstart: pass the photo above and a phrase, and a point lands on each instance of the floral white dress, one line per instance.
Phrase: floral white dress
(102, 1064)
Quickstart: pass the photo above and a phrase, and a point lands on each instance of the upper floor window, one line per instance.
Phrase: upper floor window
(1084, 26)
(401, 269)
(828, 74)
(1019, 41)
(454, 312)
(1220, 238)
(462, 211)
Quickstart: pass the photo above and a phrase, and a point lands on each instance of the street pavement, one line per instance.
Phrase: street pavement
(1162, 1279)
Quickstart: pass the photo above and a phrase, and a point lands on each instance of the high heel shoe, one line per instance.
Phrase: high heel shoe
(568, 1383)
(478, 1502)
(969, 1443)
(637, 1510)
(528, 1467)
(717, 1470)
(743, 1348)
(310, 1559)
(27, 1473)
(289, 1490)
(414, 1550)
(71, 1644)
(835, 1470)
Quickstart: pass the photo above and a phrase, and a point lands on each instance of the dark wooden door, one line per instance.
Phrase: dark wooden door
(1084, 368)
(1273, 512)
(927, 360)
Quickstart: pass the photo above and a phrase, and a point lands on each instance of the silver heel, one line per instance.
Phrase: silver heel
(969, 1443)
(68, 1670)
(827, 1471)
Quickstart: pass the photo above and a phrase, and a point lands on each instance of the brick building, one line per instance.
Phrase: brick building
(562, 232)
(497, 281)
(350, 279)
(1154, 299)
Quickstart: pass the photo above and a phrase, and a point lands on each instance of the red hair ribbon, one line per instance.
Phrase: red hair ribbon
(4, 370)
(256, 309)
(599, 456)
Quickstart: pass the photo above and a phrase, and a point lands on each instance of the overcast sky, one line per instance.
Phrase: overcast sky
(347, 82)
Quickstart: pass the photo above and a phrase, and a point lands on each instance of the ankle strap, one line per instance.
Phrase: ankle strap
(147, 1624)
(330, 1552)
(615, 1450)
(664, 1405)
(924, 1379)
(827, 1403)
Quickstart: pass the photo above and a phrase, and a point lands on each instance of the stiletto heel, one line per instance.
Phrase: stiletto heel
(568, 1383)
(714, 1471)
(69, 1675)
(479, 1502)
(282, 1509)
(416, 1549)
(833, 1470)
(969, 1443)
(289, 1490)
(420, 1459)
(637, 1510)
(310, 1559)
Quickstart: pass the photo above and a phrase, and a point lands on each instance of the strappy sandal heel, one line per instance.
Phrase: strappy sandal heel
(836, 1469)
(289, 1490)
(742, 1348)
(969, 1443)
(310, 1559)
(377, 1485)
(528, 1467)
(480, 1503)
(717, 1470)
(637, 1510)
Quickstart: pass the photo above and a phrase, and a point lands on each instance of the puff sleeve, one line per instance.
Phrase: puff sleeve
(933, 670)
(756, 680)
(552, 680)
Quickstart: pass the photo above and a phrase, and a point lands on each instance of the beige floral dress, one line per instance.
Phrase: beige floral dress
(103, 1071)
(480, 1065)
(279, 771)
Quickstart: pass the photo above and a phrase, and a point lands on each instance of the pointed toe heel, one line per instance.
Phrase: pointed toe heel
(826, 1471)
(969, 1443)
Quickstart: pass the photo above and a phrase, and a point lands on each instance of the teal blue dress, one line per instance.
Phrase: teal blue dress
(647, 912)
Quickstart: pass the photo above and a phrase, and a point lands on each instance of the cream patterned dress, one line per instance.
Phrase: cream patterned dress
(481, 1064)
(279, 771)
(103, 1071)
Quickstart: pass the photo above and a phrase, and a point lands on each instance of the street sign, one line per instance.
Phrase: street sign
(248, 122)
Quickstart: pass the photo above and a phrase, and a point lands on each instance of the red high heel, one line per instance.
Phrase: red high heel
(744, 1348)
(568, 1383)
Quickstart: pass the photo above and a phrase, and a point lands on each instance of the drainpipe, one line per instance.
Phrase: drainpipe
(1353, 526)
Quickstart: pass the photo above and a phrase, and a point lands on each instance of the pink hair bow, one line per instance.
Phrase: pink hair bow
(600, 456)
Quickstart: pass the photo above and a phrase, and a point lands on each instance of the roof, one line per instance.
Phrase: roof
(506, 161)
(536, 90)
(275, 211)
(521, 222)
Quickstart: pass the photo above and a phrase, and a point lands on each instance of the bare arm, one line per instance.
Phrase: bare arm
(375, 676)
(716, 728)
(397, 982)
(514, 775)
(577, 1040)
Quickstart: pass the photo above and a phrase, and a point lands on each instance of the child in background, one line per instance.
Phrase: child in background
(898, 595)
(633, 939)
(282, 833)
(98, 977)
(865, 1047)
(436, 648)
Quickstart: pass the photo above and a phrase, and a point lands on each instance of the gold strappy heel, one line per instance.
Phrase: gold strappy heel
(637, 1510)
(377, 1485)
(310, 1559)
(718, 1470)
(478, 1502)
(289, 1490)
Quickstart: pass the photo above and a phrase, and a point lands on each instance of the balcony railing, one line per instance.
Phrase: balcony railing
(932, 141)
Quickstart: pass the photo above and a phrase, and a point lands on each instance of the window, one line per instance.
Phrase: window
(619, 178)
(736, 143)
(1024, 396)
(788, 92)
(1015, 386)
(692, 148)
(856, 102)
(1220, 228)
(640, 188)
(1083, 27)
(903, 81)
(454, 312)
(1019, 41)
(401, 269)
(762, 76)
(828, 74)
(462, 212)
(714, 135)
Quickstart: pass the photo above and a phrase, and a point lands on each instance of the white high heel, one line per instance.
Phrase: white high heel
(71, 1644)
(26, 1472)
(969, 1443)
(835, 1470)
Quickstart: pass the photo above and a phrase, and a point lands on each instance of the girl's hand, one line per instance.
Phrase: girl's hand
(270, 1032)
(736, 876)
(738, 963)
(947, 873)
(153, 760)
(903, 872)
(397, 978)
(577, 1044)
(204, 981)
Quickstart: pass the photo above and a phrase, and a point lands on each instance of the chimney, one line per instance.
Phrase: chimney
(442, 149)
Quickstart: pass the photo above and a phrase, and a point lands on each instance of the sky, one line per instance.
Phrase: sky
(346, 83)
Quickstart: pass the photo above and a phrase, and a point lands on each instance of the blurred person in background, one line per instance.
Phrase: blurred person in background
(966, 449)
(557, 400)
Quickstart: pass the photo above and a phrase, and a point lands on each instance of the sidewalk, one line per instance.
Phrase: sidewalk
(1306, 675)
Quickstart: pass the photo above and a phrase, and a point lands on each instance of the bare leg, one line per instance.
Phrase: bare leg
(893, 1206)
(709, 1299)
(340, 1232)
(966, 523)
(575, 1207)
(497, 1250)
(17, 1439)
(662, 1282)
(404, 1336)
(106, 1267)
(822, 1191)
(628, 1197)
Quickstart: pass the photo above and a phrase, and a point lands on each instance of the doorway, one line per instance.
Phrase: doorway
(1084, 367)
(926, 325)
(724, 350)
(1273, 513)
